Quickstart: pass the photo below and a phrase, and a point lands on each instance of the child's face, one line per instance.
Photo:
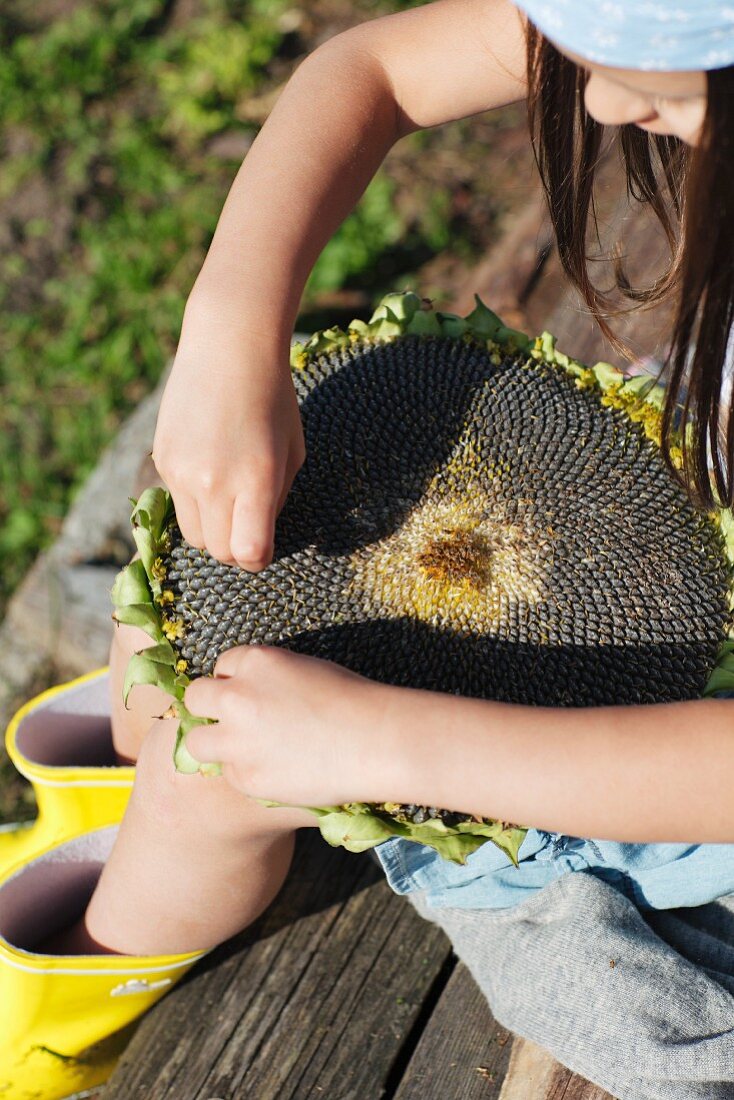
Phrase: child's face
(662, 103)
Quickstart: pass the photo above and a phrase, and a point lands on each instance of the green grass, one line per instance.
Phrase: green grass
(17, 802)
(113, 197)
(87, 98)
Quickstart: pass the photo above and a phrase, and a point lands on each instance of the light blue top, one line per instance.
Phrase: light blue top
(655, 876)
(664, 35)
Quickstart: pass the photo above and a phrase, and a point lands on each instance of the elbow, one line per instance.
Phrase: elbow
(352, 61)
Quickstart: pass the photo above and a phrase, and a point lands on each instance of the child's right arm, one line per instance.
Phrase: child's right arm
(229, 441)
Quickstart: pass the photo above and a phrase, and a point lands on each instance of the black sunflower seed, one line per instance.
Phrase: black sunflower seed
(482, 529)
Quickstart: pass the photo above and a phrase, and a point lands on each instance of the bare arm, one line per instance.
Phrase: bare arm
(662, 772)
(344, 108)
(229, 439)
(637, 773)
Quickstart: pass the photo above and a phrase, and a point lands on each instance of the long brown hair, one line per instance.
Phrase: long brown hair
(691, 193)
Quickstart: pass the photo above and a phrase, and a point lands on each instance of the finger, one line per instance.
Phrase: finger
(203, 697)
(231, 661)
(206, 745)
(252, 533)
(188, 519)
(291, 472)
(216, 524)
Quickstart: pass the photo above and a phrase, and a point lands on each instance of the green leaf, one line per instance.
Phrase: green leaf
(386, 328)
(513, 340)
(607, 375)
(154, 510)
(546, 345)
(510, 841)
(319, 811)
(184, 762)
(145, 616)
(131, 586)
(483, 322)
(182, 758)
(398, 307)
(424, 322)
(355, 832)
(298, 350)
(452, 326)
(151, 517)
(163, 653)
(359, 826)
(721, 679)
(148, 545)
(456, 847)
(142, 669)
(646, 388)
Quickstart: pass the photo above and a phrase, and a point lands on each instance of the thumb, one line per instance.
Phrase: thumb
(230, 662)
(205, 745)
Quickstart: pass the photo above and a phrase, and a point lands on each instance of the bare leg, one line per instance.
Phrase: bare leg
(131, 724)
(194, 861)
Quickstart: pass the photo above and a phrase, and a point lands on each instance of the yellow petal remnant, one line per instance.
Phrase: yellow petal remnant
(158, 570)
(458, 562)
(641, 412)
(173, 629)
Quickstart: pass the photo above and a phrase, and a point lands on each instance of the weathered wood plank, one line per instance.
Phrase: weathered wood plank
(462, 1053)
(530, 1073)
(313, 1001)
(533, 1074)
(569, 1086)
(554, 304)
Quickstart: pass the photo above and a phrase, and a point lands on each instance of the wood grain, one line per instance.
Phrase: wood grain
(463, 1053)
(534, 1074)
(314, 1000)
(569, 1086)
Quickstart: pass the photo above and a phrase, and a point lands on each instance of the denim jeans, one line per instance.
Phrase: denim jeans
(654, 876)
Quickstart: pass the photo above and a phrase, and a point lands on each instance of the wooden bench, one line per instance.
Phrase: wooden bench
(339, 992)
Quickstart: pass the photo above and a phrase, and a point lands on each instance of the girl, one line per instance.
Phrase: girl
(196, 860)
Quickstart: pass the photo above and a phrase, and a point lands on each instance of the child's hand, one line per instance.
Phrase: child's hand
(229, 440)
(291, 728)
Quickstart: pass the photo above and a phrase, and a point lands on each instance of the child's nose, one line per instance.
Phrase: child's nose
(614, 105)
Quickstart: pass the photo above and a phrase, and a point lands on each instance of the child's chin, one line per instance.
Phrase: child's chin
(663, 129)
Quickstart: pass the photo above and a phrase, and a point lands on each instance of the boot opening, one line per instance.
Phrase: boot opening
(52, 892)
(72, 729)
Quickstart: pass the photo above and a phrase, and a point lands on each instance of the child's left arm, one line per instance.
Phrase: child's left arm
(303, 731)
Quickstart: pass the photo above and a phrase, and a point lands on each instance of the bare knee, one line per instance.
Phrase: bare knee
(138, 725)
(195, 803)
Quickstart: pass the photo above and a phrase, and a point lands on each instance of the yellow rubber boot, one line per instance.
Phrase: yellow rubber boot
(64, 1020)
(62, 742)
